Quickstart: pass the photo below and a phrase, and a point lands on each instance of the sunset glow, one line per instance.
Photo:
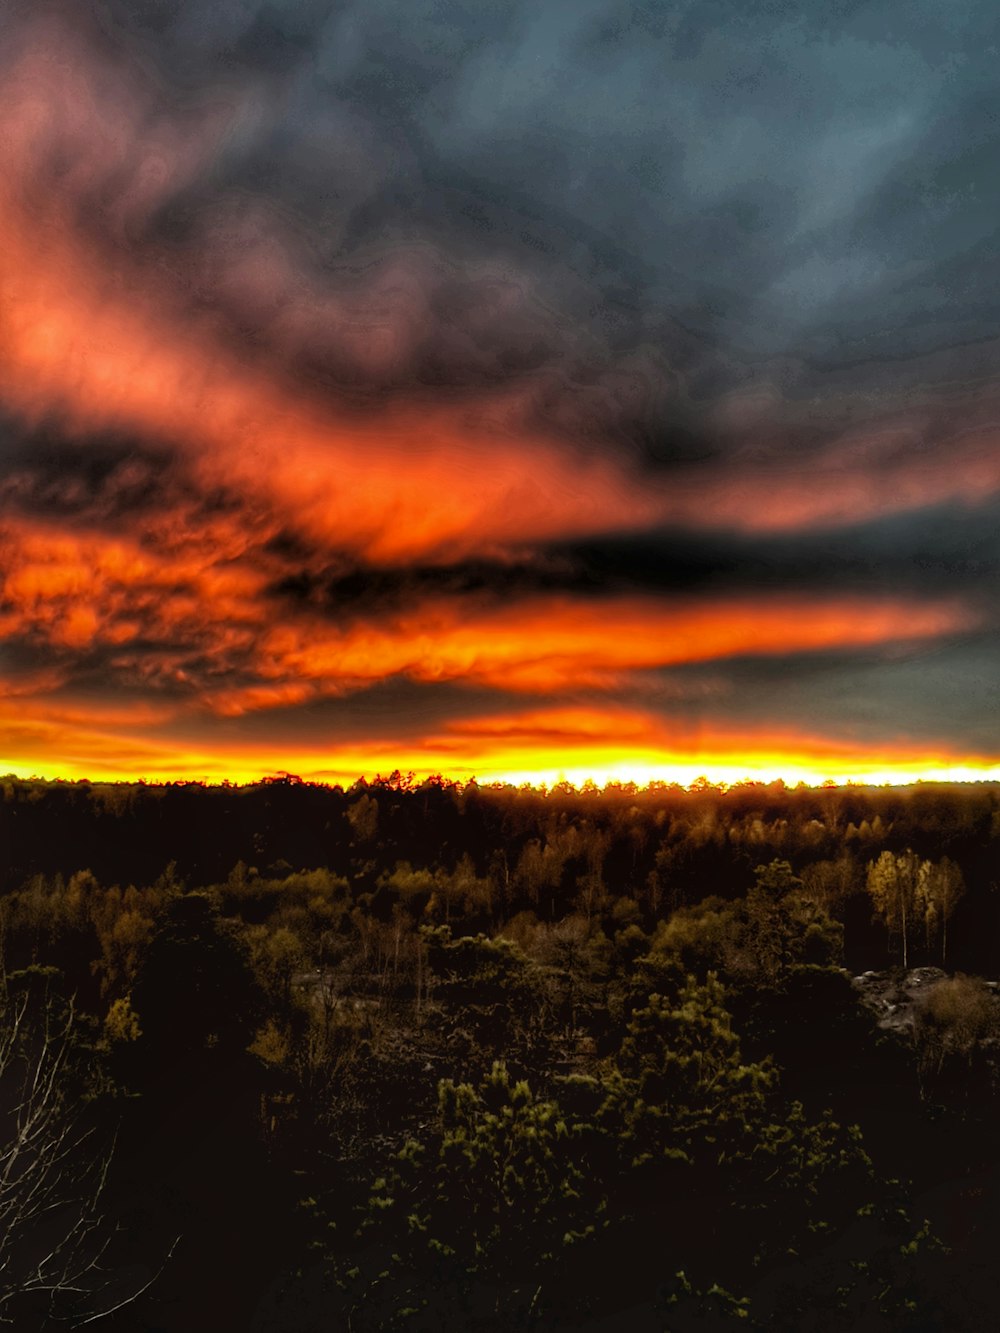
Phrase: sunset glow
(327, 452)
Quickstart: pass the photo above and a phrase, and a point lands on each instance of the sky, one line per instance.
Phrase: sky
(541, 389)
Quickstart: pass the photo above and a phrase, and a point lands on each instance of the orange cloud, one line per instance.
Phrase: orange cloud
(199, 613)
(79, 591)
(599, 743)
(619, 744)
(609, 742)
(91, 335)
(550, 644)
(94, 337)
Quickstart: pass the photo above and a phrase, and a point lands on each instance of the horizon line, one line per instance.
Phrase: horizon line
(410, 781)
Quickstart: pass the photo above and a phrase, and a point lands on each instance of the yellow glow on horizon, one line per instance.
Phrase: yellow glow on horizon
(601, 770)
(544, 746)
(729, 775)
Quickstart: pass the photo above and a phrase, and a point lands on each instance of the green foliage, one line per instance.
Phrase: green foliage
(471, 1225)
(594, 1049)
(778, 925)
(700, 937)
(492, 1218)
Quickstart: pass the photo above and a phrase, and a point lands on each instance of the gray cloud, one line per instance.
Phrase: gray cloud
(629, 209)
(900, 698)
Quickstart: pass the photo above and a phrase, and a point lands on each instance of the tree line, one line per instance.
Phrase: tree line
(425, 1056)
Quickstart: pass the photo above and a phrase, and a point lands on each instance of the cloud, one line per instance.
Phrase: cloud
(201, 333)
(552, 644)
(530, 354)
(99, 346)
(196, 611)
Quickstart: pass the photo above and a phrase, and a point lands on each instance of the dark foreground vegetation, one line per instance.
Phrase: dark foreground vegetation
(286, 1057)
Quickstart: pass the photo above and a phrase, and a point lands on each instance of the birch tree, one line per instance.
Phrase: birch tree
(941, 886)
(893, 883)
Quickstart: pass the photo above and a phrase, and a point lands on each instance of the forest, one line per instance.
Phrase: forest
(422, 1055)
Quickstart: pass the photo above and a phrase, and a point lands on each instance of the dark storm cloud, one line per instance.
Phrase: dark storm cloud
(103, 482)
(943, 550)
(805, 181)
(362, 590)
(629, 213)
